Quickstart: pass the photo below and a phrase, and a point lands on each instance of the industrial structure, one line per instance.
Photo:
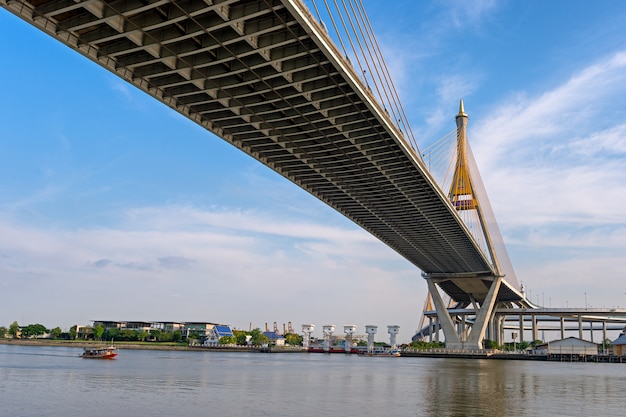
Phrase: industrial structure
(349, 330)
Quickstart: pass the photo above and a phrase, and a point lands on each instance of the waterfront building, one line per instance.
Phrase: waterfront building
(208, 333)
(84, 332)
(275, 338)
(215, 333)
(619, 344)
(568, 346)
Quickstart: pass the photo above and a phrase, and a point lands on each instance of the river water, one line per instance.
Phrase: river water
(55, 382)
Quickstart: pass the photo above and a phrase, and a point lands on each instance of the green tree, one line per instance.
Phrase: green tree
(112, 334)
(489, 344)
(166, 337)
(227, 340)
(423, 345)
(14, 329)
(56, 332)
(258, 338)
(73, 332)
(33, 330)
(156, 334)
(143, 335)
(3, 332)
(98, 332)
(194, 335)
(240, 337)
(177, 336)
(293, 339)
(129, 335)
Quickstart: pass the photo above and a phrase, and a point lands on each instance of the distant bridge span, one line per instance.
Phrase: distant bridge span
(264, 76)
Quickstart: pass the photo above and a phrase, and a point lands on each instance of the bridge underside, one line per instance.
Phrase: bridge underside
(466, 290)
(264, 76)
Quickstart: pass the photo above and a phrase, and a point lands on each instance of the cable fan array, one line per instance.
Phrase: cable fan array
(442, 160)
(347, 25)
(351, 29)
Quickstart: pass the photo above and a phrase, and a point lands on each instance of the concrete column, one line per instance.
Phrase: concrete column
(521, 328)
(464, 328)
(591, 330)
(484, 316)
(603, 331)
(430, 327)
(562, 327)
(535, 333)
(443, 317)
(496, 328)
(580, 326)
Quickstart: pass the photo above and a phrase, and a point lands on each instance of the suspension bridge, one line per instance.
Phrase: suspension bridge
(304, 89)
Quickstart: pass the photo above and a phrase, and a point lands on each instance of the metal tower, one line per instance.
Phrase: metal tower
(463, 196)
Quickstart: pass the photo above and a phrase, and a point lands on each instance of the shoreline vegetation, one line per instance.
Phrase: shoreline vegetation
(146, 345)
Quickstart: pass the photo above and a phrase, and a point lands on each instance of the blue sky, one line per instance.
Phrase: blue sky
(113, 206)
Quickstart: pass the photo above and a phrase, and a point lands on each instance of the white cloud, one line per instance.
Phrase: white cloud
(553, 166)
(465, 13)
(555, 116)
(208, 264)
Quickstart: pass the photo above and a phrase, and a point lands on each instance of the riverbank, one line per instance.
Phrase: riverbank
(469, 354)
(150, 346)
(90, 343)
(433, 353)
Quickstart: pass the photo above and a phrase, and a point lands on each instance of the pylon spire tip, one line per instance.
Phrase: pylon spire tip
(461, 109)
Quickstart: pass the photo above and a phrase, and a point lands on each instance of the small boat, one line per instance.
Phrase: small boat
(108, 352)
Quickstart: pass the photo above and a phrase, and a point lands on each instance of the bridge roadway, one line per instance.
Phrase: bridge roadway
(264, 76)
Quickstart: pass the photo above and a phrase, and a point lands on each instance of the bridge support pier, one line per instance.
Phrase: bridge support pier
(484, 317)
(431, 328)
(580, 326)
(443, 318)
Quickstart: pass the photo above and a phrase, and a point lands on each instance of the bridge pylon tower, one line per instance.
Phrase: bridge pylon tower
(464, 197)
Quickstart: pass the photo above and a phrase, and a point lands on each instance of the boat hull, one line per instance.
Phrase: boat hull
(99, 353)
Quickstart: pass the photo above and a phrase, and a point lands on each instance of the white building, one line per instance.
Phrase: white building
(568, 346)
